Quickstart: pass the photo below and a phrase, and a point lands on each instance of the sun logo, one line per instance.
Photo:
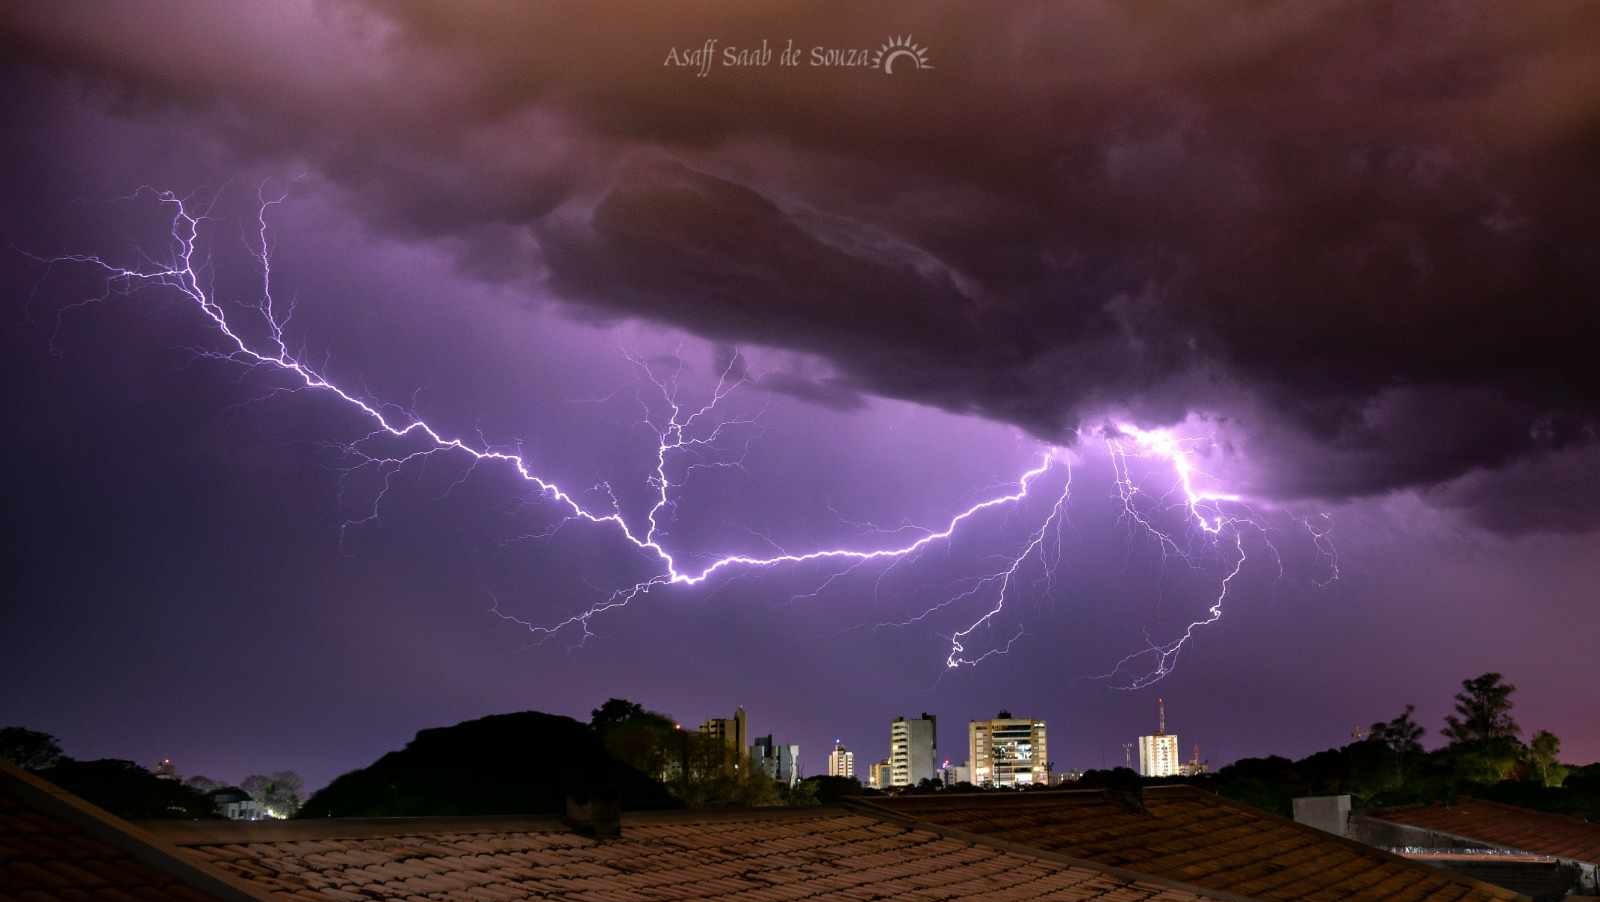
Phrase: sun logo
(900, 47)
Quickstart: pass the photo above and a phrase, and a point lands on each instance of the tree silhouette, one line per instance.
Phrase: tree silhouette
(1483, 711)
(648, 741)
(1544, 752)
(1402, 734)
(616, 711)
(28, 749)
(279, 793)
(128, 790)
(1403, 737)
(201, 783)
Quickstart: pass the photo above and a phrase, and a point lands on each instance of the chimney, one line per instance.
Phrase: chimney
(593, 806)
(600, 818)
(1161, 725)
(1330, 814)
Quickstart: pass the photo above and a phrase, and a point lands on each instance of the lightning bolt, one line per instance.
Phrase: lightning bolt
(686, 434)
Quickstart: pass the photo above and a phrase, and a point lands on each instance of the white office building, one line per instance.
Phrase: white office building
(780, 762)
(1008, 752)
(841, 761)
(913, 750)
(1158, 754)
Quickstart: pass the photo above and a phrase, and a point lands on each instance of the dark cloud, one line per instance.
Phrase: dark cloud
(832, 393)
(1551, 492)
(1361, 233)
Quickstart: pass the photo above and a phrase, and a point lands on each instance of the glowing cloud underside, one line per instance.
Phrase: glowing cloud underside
(695, 430)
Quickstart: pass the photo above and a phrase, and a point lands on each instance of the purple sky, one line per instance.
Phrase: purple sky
(1368, 288)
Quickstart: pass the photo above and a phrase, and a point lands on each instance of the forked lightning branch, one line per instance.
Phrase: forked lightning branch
(1219, 521)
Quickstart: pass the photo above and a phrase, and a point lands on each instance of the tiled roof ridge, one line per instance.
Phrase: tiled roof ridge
(1370, 853)
(142, 846)
(204, 833)
(1537, 832)
(868, 806)
(1491, 803)
(1362, 849)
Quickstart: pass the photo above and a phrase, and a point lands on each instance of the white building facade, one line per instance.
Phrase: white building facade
(913, 750)
(1008, 752)
(841, 761)
(1158, 755)
(780, 762)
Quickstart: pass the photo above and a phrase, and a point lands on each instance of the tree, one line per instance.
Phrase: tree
(203, 784)
(801, 795)
(832, 789)
(615, 711)
(1544, 752)
(29, 749)
(1483, 711)
(128, 790)
(707, 772)
(1403, 734)
(278, 793)
(647, 741)
(1403, 737)
(1483, 736)
(518, 763)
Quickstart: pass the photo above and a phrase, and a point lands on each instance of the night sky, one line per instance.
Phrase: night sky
(1344, 252)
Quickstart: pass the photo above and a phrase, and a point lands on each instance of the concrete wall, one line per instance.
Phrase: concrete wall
(1330, 814)
(1542, 881)
(1389, 835)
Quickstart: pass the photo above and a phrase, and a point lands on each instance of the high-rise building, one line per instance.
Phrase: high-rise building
(731, 730)
(1008, 751)
(780, 762)
(841, 761)
(166, 770)
(879, 774)
(952, 774)
(913, 746)
(1158, 754)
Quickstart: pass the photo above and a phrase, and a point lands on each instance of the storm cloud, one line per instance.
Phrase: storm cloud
(1359, 236)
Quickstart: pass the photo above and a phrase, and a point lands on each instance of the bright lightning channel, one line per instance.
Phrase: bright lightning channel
(685, 431)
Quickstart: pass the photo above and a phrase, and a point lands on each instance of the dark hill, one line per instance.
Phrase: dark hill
(128, 790)
(524, 763)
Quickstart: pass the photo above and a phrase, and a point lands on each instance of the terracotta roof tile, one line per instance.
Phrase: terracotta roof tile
(755, 856)
(1183, 833)
(48, 859)
(1495, 824)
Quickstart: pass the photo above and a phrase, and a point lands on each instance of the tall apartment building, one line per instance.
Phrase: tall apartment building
(841, 761)
(1158, 754)
(879, 773)
(913, 746)
(731, 730)
(1008, 751)
(780, 762)
(952, 774)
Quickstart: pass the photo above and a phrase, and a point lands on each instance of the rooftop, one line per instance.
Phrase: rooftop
(1183, 833)
(1505, 825)
(55, 846)
(758, 855)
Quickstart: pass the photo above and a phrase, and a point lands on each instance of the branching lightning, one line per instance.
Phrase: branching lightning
(691, 438)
